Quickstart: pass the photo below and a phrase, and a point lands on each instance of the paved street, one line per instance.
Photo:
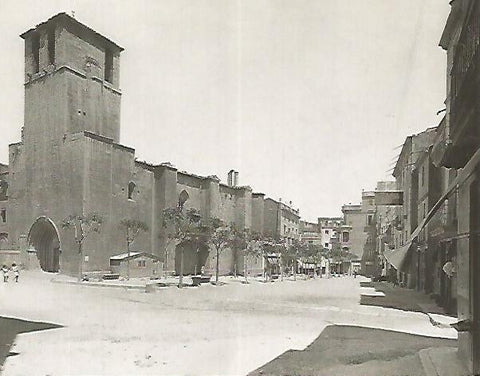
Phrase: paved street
(231, 329)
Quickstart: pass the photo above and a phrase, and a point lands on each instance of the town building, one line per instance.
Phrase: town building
(457, 148)
(310, 233)
(281, 221)
(385, 214)
(361, 221)
(404, 258)
(70, 161)
(329, 227)
(336, 239)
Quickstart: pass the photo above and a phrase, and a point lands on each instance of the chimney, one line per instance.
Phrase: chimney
(231, 177)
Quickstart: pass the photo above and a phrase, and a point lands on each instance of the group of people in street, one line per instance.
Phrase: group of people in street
(6, 271)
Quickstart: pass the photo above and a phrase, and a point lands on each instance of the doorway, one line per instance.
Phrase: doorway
(43, 237)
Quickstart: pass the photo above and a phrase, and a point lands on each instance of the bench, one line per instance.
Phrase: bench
(110, 276)
(199, 279)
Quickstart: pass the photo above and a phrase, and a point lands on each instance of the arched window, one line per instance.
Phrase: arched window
(3, 240)
(131, 190)
(3, 190)
(182, 198)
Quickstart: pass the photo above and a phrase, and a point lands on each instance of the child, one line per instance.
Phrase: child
(15, 271)
(5, 273)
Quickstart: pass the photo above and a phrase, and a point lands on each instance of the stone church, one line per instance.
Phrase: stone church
(69, 161)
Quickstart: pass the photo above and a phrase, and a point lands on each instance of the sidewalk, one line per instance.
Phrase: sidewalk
(400, 298)
(436, 361)
(442, 361)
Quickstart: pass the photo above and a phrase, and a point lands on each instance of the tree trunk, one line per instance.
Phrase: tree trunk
(165, 262)
(245, 267)
(217, 266)
(281, 267)
(264, 268)
(80, 264)
(180, 278)
(294, 266)
(128, 260)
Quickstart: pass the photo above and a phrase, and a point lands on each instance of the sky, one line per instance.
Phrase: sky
(308, 99)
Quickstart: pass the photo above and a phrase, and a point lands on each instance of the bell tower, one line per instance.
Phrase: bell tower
(71, 81)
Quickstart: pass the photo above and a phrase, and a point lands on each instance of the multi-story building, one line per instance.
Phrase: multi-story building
(281, 221)
(458, 148)
(328, 227)
(385, 214)
(336, 238)
(310, 233)
(404, 258)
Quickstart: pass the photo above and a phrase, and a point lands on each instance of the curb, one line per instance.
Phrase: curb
(442, 361)
(437, 323)
(427, 363)
(99, 284)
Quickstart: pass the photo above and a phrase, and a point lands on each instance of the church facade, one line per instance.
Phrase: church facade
(70, 162)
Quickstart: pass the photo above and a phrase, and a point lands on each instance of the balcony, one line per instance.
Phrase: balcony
(464, 134)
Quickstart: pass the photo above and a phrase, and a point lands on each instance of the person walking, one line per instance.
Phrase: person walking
(15, 272)
(5, 273)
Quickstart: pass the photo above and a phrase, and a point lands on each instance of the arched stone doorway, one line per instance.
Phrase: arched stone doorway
(194, 257)
(43, 236)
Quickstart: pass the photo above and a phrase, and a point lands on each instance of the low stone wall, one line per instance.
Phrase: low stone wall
(8, 257)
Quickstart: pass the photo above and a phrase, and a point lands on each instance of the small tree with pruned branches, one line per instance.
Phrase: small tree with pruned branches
(83, 227)
(132, 228)
(182, 226)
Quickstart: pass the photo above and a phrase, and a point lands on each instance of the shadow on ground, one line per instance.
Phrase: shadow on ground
(400, 298)
(352, 350)
(10, 327)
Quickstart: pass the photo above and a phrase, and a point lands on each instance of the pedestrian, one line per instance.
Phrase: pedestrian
(395, 280)
(354, 274)
(15, 271)
(5, 273)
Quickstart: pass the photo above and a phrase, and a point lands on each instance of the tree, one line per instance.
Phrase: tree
(220, 237)
(296, 250)
(315, 253)
(252, 243)
(238, 243)
(83, 227)
(132, 228)
(281, 250)
(182, 226)
(338, 255)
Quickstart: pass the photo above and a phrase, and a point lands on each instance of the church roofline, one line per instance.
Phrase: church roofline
(72, 21)
(237, 187)
(108, 140)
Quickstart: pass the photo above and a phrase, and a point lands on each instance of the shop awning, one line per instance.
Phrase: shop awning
(397, 256)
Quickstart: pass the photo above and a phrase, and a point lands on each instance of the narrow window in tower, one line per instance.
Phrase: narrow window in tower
(3, 214)
(51, 46)
(36, 52)
(108, 66)
(131, 190)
